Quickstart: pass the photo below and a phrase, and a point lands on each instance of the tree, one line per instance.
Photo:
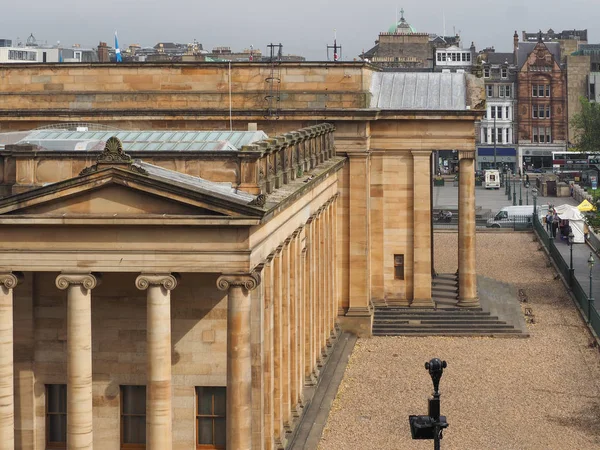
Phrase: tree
(587, 126)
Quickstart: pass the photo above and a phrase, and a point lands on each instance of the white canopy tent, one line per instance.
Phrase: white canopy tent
(576, 221)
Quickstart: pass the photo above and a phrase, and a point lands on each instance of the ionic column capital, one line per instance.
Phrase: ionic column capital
(166, 280)
(249, 281)
(87, 280)
(10, 279)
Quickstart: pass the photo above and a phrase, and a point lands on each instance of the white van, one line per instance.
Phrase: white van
(512, 216)
(492, 179)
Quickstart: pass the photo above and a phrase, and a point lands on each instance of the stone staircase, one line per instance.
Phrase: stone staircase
(445, 319)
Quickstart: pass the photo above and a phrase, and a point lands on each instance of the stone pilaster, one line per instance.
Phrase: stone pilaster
(79, 358)
(239, 359)
(285, 335)
(319, 323)
(421, 229)
(159, 434)
(467, 276)
(309, 351)
(360, 257)
(294, 321)
(8, 281)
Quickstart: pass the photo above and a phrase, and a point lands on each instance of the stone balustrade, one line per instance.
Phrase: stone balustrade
(284, 158)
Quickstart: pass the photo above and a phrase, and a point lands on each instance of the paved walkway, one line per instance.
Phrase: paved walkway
(581, 254)
(308, 432)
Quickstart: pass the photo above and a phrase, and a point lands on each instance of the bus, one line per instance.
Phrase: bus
(572, 165)
(574, 160)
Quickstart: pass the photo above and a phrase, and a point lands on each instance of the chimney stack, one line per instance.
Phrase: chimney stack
(103, 53)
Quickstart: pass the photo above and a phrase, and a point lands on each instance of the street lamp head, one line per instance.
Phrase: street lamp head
(534, 192)
(436, 369)
(571, 237)
(591, 261)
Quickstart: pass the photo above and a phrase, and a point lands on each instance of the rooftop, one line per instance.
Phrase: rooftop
(419, 91)
(68, 140)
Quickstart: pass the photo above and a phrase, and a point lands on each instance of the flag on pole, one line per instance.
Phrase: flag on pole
(117, 49)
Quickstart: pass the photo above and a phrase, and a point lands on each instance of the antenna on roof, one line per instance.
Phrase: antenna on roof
(335, 47)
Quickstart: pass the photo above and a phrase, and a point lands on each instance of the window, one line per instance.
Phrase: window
(210, 417)
(548, 134)
(484, 138)
(468, 57)
(547, 90)
(534, 133)
(133, 417)
(507, 91)
(56, 416)
(18, 55)
(399, 267)
(486, 72)
(443, 57)
(453, 56)
(540, 90)
(489, 90)
(493, 111)
(534, 111)
(439, 57)
(464, 56)
(506, 113)
(548, 111)
(504, 72)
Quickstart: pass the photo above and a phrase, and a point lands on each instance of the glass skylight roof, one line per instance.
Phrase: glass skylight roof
(134, 141)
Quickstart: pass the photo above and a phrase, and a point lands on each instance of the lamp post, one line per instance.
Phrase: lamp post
(514, 191)
(431, 426)
(534, 194)
(527, 196)
(505, 180)
(509, 194)
(521, 192)
(591, 262)
(571, 270)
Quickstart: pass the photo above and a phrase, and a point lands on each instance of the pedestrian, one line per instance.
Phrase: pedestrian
(555, 224)
(548, 220)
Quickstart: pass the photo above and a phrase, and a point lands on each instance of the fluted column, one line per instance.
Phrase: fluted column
(421, 281)
(309, 352)
(159, 434)
(8, 281)
(467, 276)
(239, 359)
(79, 358)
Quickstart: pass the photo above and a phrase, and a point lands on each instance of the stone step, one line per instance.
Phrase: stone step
(455, 333)
(411, 322)
(447, 326)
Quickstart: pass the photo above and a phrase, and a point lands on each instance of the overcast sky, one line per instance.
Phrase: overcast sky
(303, 27)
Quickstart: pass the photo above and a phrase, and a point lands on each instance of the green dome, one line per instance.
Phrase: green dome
(402, 27)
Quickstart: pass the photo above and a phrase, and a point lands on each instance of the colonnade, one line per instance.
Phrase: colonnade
(299, 288)
(79, 288)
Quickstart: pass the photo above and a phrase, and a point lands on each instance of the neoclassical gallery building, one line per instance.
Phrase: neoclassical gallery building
(178, 289)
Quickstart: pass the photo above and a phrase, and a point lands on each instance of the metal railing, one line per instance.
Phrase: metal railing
(587, 308)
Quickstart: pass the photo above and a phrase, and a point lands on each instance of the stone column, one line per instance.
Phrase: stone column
(79, 358)
(295, 389)
(319, 286)
(268, 361)
(422, 229)
(279, 431)
(285, 335)
(359, 217)
(309, 351)
(159, 434)
(467, 276)
(8, 281)
(239, 358)
(332, 268)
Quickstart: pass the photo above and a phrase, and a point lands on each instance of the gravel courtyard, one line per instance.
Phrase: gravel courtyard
(542, 392)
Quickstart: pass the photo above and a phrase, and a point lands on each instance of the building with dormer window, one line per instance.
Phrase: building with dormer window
(542, 100)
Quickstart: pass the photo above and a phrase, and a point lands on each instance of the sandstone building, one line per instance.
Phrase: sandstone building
(159, 281)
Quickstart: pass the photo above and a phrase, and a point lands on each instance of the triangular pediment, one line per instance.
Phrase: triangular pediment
(121, 193)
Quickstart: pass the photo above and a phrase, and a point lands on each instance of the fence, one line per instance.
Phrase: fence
(588, 308)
